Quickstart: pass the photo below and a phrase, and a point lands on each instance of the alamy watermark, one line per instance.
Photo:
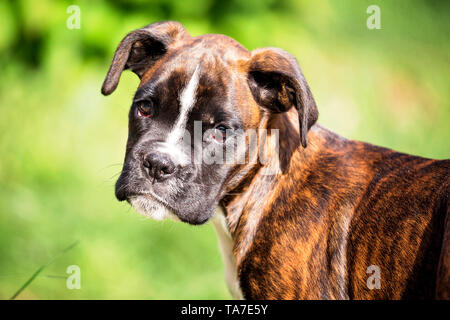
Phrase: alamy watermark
(229, 147)
(374, 280)
(74, 20)
(374, 20)
(73, 281)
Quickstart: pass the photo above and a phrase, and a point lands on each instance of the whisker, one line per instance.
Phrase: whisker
(112, 165)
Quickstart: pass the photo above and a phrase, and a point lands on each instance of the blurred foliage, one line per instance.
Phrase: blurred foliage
(62, 143)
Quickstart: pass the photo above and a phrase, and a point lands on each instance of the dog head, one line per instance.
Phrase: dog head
(196, 96)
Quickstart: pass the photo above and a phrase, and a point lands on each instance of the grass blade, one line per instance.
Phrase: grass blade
(27, 283)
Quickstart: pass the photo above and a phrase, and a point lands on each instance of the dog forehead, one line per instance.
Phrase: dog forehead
(212, 53)
(212, 48)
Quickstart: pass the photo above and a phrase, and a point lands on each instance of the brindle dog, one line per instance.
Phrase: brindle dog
(335, 208)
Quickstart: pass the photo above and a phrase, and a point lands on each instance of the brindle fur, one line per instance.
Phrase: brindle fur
(397, 204)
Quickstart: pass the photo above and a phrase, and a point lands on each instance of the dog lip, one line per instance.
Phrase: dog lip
(123, 194)
(149, 194)
(136, 195)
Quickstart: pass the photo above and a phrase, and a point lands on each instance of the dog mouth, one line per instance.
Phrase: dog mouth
(152, 206)
(172, 200)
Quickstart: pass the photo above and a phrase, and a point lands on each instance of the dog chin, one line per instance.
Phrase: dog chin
(149, 207)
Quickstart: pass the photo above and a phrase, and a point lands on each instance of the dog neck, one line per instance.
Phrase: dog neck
(245, 204)
(263, 196)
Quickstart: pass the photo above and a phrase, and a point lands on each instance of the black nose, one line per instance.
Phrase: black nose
(159, 166)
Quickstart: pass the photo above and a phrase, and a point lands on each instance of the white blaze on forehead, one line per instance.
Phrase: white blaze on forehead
(187, 102)
(187, 99)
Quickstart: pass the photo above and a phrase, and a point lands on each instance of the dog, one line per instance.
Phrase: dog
(323, 217)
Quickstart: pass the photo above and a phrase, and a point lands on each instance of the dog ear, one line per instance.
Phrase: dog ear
(277, 84)
(140, 49)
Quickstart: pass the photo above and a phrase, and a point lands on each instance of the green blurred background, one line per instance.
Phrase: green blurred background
(62, 143)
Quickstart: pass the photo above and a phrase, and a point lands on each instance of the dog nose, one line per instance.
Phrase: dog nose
(159, 166)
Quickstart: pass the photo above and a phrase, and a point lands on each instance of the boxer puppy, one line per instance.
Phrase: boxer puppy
(322, 217)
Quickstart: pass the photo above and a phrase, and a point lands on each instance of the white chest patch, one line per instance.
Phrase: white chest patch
(226, 248)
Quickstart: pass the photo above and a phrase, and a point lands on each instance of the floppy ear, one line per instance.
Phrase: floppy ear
(277, 84)
(140, 49)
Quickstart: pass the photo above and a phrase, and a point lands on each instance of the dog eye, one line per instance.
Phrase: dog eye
(222, 128)
(220, 133)
(145, 109)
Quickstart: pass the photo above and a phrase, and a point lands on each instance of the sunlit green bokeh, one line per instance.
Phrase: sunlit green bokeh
(62, 143)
